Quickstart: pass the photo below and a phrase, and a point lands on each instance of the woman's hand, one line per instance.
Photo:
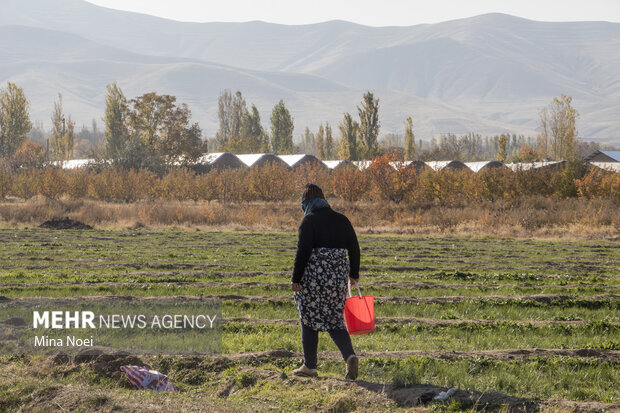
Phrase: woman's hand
(353, 281)
(296, 287)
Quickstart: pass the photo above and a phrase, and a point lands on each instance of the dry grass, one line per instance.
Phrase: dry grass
(529, 217)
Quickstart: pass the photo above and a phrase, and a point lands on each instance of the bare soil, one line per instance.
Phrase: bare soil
(64, 223)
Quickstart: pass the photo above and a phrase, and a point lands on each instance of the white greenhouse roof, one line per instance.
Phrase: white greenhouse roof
(209, 158)
(251, 158)
(526, 166)
(477, 166)
(608, 166)
(73, 163)
(439, 165)
(291, 160)
(333, 164)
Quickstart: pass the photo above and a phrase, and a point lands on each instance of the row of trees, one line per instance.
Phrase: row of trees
(240, 130)
(154, 131)
(380, 181)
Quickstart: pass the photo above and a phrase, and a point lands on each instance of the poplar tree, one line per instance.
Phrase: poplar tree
(14, 120)
(231, 110)
(63, 133)
(308, 144)
(502, 143)
(409, 140)
(369, 126)
(348, 148)
(329, 142)
(116, 133)
(320, 142)
(251, 139)
(281, 129)
(559, 137)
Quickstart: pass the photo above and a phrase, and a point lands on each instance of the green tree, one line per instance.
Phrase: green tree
(329, 142)
(252, 133)
(265, 145)
(559, 137)
(162, 128)
(348, 148)
(502, 153)
(231, 110)
(63, 133)
(14, 120)
(409, 140)
(281, 129)
(116, 133)
(369, 126)
(308, 142)
(320, 142)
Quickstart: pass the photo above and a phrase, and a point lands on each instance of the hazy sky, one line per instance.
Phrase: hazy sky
(368, 12)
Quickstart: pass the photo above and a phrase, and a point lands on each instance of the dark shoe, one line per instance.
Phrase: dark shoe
(304, 371)
(352, 366)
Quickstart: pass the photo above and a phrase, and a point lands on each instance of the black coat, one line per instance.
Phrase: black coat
(325, 228)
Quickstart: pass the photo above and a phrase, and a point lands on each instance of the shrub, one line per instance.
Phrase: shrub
(598, 183)
(390, 179)
(384, 180)
(53, 183)
(118, 185)
(206, 187)
(77, 183)
(27, 184)
(272, 182)
(232, 185)
(179, 184)
(311, 173)
(349, 183)
(29, 155)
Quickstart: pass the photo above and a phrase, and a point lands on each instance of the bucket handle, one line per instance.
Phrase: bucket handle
(358, 289)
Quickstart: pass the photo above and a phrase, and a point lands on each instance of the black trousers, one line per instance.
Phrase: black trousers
(310, 343)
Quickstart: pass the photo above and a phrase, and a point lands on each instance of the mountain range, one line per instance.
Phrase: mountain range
(486, 74)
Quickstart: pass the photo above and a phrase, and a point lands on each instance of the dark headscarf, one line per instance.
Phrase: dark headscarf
(312, 198)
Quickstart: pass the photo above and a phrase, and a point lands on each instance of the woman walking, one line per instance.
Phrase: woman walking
(320, 278)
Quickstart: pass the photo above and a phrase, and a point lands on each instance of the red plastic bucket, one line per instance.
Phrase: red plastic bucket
(359, 313)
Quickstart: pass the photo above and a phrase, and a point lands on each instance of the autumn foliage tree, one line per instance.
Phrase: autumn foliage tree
(349, 183)
(391, 179)
(558, 137)
(29, 155)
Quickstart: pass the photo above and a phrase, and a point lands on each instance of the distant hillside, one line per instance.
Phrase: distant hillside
(492, 73)
(46, 62)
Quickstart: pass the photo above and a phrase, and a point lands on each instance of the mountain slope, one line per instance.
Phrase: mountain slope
(495, 67)
(46, 63)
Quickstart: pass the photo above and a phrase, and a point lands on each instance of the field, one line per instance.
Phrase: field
(514, 324)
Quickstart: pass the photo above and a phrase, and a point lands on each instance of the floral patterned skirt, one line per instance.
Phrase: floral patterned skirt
(324, 289)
